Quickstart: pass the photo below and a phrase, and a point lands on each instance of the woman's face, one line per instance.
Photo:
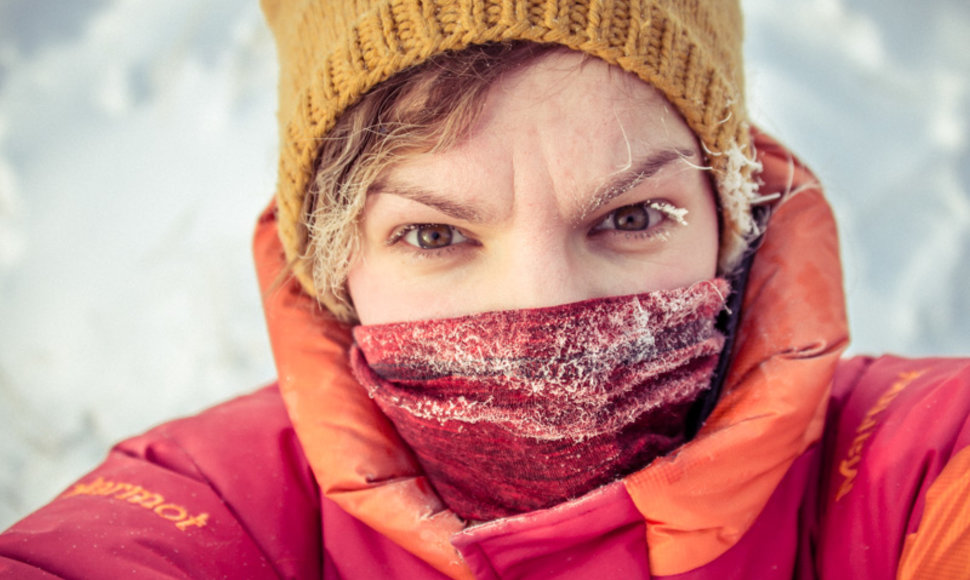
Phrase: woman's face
(578, 181)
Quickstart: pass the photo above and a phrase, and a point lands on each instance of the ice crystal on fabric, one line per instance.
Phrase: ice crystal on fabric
(549, 375)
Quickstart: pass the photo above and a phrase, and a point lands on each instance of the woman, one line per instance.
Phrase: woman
(579, 320)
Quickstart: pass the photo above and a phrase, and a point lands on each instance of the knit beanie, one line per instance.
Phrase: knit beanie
(331, 52)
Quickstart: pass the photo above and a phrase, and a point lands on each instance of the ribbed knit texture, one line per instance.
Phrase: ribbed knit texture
(331, 52)
(513, 411)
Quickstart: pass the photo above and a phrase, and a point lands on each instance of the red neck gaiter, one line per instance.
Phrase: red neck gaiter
(519, 410)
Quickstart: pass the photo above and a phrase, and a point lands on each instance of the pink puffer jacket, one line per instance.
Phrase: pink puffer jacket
(808, 467)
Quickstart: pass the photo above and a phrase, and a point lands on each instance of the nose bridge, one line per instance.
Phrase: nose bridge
(541, 271)
(539, 265)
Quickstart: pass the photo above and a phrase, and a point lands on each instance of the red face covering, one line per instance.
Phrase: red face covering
(519, 410)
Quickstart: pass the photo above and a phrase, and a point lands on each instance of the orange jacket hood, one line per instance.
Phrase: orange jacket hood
(696, 502)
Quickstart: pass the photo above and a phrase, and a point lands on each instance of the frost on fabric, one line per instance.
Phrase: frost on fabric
(549, 373)
(677, 214)
(738, 191)
(514, 411)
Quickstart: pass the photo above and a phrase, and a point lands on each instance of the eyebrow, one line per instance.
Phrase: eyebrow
(627, 180)
(428, 198)
(615, 187)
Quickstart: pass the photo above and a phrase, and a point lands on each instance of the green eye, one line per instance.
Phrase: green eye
(432, 236)
(631, 218)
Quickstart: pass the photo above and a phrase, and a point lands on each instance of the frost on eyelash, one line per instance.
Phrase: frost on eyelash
(581, 375)
(675, 213)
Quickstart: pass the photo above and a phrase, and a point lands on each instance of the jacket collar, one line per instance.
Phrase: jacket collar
(698, 501)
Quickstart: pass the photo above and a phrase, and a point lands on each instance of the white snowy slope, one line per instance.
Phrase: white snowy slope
(138, 143)
(875, 96)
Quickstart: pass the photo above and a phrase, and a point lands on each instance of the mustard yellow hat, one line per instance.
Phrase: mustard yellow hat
(331, 52)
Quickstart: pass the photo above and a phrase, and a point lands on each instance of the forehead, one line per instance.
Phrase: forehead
(569, 71)
(567, 87)
(564, 113)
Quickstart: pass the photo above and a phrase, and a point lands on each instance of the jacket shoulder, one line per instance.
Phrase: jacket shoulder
(894, 426)
(225, 493)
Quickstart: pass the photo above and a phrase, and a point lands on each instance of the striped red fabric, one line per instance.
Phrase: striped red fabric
(519, 410)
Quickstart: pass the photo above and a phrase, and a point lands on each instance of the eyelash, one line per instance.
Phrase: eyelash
(669, 213)
(399, 234)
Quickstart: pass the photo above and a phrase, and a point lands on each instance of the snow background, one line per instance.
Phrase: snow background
(138, 143)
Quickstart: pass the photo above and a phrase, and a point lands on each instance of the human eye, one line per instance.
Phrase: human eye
(429, 236)
(640, 217)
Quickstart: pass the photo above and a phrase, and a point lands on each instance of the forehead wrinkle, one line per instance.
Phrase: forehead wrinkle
(630, 178)
(441, 202)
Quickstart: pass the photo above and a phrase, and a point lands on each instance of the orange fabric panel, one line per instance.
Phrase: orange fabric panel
(700, 500)
(697, 502)
(357, 457)
(940, 548)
